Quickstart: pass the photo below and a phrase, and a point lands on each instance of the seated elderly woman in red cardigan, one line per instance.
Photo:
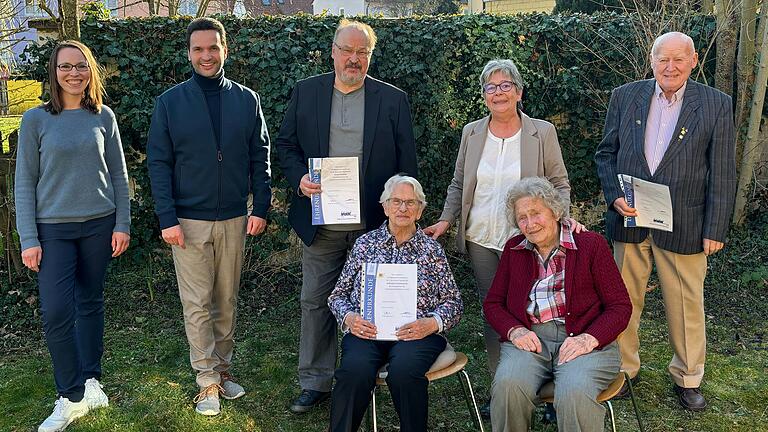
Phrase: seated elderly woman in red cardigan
(558, 302)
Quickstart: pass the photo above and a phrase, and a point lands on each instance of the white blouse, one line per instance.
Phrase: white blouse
(499, 169)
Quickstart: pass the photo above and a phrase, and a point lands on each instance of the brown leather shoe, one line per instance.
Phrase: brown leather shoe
(691, 398)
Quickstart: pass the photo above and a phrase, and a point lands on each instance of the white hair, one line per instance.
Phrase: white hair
(397, 179)
(672, 35)
(536, 187)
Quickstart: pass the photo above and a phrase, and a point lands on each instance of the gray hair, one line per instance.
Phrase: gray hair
(672, 35)
(536, 187)
(397, 179)
(506, 67)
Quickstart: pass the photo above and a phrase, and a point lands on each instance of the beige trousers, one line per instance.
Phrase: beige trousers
(208, 275)
(682, 287)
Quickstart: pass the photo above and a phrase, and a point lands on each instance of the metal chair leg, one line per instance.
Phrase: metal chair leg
(634, 402)
(373, 409)
(613, 419)
(469, 395)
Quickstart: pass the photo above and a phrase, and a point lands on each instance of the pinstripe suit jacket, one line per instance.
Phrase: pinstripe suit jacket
(699, 166)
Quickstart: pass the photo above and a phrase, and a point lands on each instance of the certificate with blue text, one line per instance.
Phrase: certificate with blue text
(339, 199)
(388, 297)
(652, 201)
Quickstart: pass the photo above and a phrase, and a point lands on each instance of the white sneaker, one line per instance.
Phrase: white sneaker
(94, 394)
(231, 389)
(64, 413)
(207, 401)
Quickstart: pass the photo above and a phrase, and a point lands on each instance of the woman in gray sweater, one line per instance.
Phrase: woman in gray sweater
(73, 216)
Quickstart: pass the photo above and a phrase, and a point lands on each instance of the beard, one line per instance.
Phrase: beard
(350, 78)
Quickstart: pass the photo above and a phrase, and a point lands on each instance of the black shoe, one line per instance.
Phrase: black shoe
(624, 391)
(307, 400)
(691, 398)
(485, 411)
(550, 416)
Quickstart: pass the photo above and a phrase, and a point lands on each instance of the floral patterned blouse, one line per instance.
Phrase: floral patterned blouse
(437, 294)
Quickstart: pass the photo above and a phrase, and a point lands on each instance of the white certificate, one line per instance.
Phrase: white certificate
(652, 201)
(339, 201)
(388, 297)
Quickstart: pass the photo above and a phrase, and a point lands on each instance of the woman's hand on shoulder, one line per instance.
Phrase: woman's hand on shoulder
(31, 257)
(418, 329)
(120, 242)
(437, 229)
(576, 227)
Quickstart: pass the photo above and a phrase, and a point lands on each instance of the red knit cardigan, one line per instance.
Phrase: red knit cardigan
(596, 299)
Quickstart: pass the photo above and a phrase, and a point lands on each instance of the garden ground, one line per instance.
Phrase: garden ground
(150, 383)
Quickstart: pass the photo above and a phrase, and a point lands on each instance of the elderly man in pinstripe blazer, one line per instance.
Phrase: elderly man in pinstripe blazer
(674, 131)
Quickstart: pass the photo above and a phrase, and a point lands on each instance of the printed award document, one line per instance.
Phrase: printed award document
(652, 201)
(339, 201)
(388, 297)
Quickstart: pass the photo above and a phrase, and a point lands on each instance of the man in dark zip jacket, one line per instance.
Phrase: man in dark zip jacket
(208, 149)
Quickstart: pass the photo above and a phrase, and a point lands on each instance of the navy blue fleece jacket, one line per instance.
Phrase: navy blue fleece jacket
(194, 175)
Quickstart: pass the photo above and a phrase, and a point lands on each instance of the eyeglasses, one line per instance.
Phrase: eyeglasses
(80, 67)
(505, 86)
(409, 204)
(347, 51)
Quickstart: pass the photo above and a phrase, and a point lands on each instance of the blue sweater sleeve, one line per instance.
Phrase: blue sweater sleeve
(115, 159)
(160, 162)
(27, 176)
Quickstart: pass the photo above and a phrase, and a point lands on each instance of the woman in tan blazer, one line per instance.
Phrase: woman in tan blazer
(495, 152)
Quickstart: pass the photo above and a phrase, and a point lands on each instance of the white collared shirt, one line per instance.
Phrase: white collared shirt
(499, 169)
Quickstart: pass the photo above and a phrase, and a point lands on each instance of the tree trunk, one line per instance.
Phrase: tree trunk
(752, 146)
(761, 23)
(745, 63)
(173, 8)
(706, 6)
(726, 45)
(202, 9)
(70, 25)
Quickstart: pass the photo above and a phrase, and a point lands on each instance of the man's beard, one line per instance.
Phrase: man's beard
(350, 79)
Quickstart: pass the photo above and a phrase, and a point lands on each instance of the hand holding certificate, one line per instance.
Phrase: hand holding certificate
(388, 297)
(339, 199)
(652, 201)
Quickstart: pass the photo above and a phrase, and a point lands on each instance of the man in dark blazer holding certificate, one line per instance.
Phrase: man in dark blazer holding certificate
(340, 114)
(673, 131)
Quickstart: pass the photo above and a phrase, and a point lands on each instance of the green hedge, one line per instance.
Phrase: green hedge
(569, 64)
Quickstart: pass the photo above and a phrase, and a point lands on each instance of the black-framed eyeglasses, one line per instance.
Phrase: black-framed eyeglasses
(505, 86)
(409, 204)
(347, 51)
(80, 67)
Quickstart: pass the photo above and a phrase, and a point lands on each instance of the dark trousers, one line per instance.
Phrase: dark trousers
(321, 266)
(71, 278)
(356, 377)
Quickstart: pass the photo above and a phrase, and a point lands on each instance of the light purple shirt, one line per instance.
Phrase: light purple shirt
(660, 129)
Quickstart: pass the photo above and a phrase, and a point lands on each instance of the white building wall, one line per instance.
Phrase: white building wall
(336, 7)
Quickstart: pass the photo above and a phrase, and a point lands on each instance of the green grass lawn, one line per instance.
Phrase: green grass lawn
(150, 382)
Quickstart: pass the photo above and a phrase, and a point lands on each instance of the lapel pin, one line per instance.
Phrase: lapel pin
(682, 133)
(637, 121)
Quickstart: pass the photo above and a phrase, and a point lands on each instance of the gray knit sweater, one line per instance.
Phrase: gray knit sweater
(69, 168)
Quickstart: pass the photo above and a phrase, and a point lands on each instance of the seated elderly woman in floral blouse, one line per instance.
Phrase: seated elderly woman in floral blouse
(439, 307)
